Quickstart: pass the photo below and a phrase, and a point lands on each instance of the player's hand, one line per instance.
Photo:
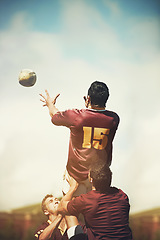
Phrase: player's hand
(86, 101)
(72, 182)
(47, 100)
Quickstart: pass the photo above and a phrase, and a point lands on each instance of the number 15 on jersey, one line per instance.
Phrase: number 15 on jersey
(95, 137)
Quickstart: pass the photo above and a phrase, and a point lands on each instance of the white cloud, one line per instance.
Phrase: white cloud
(144, 39)
(21, 21)
(85, 31)
(113, 7)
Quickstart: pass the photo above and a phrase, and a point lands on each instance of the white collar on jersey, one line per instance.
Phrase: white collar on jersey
(96, 110)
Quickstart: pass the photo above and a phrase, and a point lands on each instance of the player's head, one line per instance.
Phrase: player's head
(49, 204)
(98, 93)
(101, 176)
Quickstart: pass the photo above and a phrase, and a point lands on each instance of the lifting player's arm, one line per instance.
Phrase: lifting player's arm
(50, 103)
(62, 207)
(48, 231)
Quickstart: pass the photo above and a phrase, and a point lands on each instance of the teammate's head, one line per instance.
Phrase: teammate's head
(101, 176)
(98, 93)
(49, 204)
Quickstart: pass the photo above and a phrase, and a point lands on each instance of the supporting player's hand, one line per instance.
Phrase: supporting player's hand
(47, 100)
(72, 182)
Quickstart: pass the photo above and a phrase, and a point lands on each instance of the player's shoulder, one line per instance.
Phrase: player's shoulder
(109, 112)
(83, 196)
(113, 115)
(122, 193)
(93, 194)
(91, 198)
(75, 111)
(86, 199)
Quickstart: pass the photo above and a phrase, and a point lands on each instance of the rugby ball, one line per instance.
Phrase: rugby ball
(27, 78)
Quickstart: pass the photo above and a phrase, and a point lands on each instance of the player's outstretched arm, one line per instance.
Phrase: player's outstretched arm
(50, 103)
(62, 208)
(48, 231)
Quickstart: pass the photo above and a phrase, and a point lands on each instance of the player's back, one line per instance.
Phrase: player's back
(91, 128)
(106, 214)
(91, 135)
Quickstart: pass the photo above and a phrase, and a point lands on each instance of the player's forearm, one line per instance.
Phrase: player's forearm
(62, 208)
(69, 194)
(52, 109)
(48, 231)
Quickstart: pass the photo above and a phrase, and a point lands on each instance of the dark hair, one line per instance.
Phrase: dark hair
(101, 175)
(43, 201)
(99, 93)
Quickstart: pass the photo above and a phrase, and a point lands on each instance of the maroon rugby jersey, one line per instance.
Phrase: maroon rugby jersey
(106, 214)
(56, 235)
(91, 134)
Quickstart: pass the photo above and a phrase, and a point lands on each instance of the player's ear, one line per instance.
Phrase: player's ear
(46, 212)
(91, 180)
(88, 98)
(89, 177)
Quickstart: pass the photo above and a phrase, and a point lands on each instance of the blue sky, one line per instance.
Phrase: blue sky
(46, 14)
(69, 44)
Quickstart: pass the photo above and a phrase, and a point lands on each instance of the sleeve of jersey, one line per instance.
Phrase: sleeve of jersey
(76, 206)
(65, 118)
(116, 120)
